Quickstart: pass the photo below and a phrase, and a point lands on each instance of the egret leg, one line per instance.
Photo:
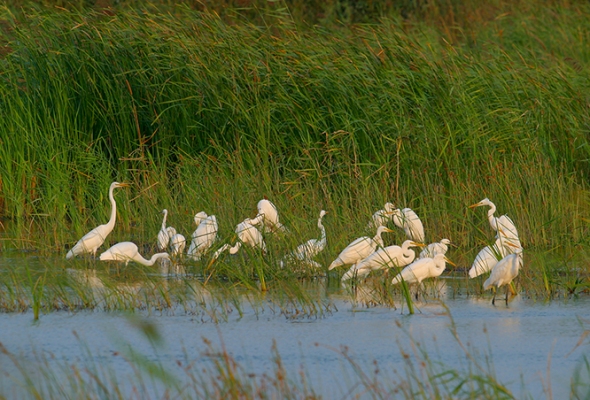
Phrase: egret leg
(507, 291)
(494, 298)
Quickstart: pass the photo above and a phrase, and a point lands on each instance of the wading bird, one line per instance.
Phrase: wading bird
(385, 257)
(504, 272)
(163, 238)
(305, 252)
(177, 244)
(96, 237)
(435, 248)
(408, 220)
(421, 269)
(204, 236)
(359, 249)
(487, 258)
(503, 225)
(382, 217)
(269, 217)
(247, 234)
(128, 251)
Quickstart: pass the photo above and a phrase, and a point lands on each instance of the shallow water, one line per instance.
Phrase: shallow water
(523, 339)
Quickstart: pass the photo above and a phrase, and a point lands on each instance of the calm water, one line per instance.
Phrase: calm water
(522, 339)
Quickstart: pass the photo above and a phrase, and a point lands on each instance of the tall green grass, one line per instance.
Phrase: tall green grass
(203, 114)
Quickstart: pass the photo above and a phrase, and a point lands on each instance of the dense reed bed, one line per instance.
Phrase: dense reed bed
(207, 111)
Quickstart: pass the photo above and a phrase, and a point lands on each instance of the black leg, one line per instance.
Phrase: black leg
(494, 298)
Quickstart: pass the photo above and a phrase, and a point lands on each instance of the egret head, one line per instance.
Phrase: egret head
(484, 202)
(382, 229)
(322, 213)
(200, 216)
(389, 207)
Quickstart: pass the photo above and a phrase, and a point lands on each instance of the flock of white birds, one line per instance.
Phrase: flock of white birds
(365, 254)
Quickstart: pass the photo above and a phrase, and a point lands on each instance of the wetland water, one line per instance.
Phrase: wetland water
(521, 339)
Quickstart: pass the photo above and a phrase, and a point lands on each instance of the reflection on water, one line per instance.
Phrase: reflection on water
(521, 338)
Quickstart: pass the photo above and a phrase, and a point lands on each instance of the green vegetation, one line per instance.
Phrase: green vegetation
(431, 107)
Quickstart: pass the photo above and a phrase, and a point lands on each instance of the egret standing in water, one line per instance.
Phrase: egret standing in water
(163, 238)
(408, 220)
(305, 252)
(504, 272)
(435, 248)
(177, 244)
(503, 225)
(247, 234)
(128, 251)
(90, 242)
(382, 217)
(487, 258)
(385, 257)
(359, 249)
(204, 236)
(421, 269)
(269, 217)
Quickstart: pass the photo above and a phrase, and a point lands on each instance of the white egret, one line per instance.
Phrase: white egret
(177, 244)
(408, 220)
(247, 234)
(204, 236)
(382, 217)
(128, 251)
(504, 272)
(385, 257)
(487, 258)
(359, 249)
(435, 248)
(165, 233)
(421, 269)
(90, 242)
(307, 251)
(503, 226)
(269, 217)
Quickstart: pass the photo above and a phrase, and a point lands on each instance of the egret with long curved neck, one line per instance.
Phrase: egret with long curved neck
(505, 229)
(128, 251)
(359, 249)
(385, 257)
(90, 242)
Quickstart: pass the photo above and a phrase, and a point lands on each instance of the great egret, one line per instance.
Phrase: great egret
(163, 238)
(382, 217)
(421, 269)
(503, 225)
(359, 249)
(385, 257)
(247, 234)
(408, 220)
(128, 251)
(504, 272)
(96, 237)
(435, 248)
(269, 216)
(307, 251)
(177, 244)
(204, 236)
(487, 258)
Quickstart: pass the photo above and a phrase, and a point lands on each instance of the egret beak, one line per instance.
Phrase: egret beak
(450, 262)
(388, 230)
(124, 184)
(474, 205)
(418, 244)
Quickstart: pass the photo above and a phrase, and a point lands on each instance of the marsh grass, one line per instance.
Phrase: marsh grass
(200, 112)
